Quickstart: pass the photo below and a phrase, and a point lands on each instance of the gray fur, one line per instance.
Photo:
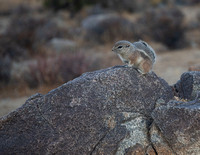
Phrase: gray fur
(142, 45)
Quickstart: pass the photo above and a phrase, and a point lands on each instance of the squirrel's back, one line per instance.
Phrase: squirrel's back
(147, 49)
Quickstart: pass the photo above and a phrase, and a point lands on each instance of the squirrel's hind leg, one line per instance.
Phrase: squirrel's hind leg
(145, 66)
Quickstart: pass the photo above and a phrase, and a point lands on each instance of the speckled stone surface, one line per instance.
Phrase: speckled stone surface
(102, 112)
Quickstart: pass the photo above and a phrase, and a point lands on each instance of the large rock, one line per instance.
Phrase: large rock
(60, 45)
(176, 127)
(102, 112)
(179, 124)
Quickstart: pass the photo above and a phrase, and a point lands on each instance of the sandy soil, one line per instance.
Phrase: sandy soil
(12, 98)
(170, 65)
(7, 105)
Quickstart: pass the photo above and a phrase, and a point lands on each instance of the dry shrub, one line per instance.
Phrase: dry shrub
(15, 44)
(57, 69)
(194, 68)
(29, 32)
(126, 5)
(165, 25)
(186, 2)
(71, 5)
(116, 29)
(107, 28)
(117, 5)
(10, 49)
(26, 34)
(21, 30)
(5, 66)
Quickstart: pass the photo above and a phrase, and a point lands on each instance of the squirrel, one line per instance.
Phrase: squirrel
(139, 55)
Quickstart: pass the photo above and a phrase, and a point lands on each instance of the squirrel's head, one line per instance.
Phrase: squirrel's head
(122, 46)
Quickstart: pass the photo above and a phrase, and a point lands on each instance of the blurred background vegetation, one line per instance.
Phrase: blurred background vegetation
(45, 43)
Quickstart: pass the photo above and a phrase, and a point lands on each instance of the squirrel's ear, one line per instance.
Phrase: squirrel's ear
(144, 43)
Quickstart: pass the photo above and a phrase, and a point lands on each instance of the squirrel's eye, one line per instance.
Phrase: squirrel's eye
(119, 47)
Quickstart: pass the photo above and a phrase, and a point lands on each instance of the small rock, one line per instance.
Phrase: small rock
(3, 25)
(22, 73)
(62, 45)
(188, 87)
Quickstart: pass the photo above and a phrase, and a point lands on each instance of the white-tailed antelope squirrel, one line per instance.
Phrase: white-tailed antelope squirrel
(138, 55)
